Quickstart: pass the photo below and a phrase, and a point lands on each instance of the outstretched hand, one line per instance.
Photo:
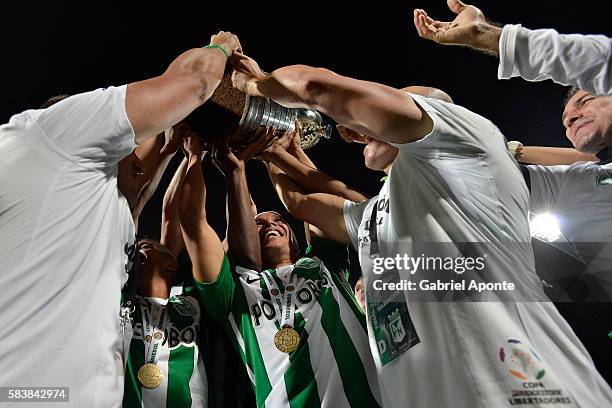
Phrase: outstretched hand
(223, 157)
(263, 142)
(228, 41)
(174, 137)
(246, 72)
(350, 135)
(193, 144)
(289, 141)
(469, 28)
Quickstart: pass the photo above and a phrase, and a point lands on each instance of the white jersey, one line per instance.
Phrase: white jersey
(580, 197)
(184, 382)
(332, 365)
(65, 228)
(578, 60)
(460, 185)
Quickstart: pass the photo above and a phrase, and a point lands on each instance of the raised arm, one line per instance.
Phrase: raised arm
(202, 242)
(159, 156)
(293, 161)
(243, 244)
(171, 235)
(375, 110)
(582, 61)
(551, 156)
(156, 104)
(324, 211)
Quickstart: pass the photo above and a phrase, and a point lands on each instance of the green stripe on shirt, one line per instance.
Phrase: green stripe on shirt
(350, 366)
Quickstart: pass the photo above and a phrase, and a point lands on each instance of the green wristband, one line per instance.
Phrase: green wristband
(219, 47)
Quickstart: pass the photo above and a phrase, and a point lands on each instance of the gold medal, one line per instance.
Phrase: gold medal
(158, 336)
(150, 375)
(287, 339)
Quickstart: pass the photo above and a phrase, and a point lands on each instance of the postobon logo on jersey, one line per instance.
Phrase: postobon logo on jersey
(173, 337)
(186, 337)
(306, 294)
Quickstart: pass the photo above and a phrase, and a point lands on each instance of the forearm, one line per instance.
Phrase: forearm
(373, 109)
(242, 237)
(569, 59)
(302, 157)
(487, 38)
(152, 185)
(311, 179)
(155, 104)
(552, 156)
(192, 196)
(325, 211)
(289, 192)
(203, 244)
(171, 235)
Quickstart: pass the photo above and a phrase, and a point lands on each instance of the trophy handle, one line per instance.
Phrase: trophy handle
(328, 131)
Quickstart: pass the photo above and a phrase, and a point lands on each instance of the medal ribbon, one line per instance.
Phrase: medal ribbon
(287, 315)
(148, 329)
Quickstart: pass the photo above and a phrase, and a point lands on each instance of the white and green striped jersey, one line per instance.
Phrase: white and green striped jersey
(184, 377)
(332, 366)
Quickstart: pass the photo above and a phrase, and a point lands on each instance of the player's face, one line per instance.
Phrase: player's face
(379, 155)
(360, 293)
(588, 121)
(154, 255)
(273, 230)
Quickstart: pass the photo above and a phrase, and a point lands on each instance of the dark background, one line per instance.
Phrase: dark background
(67, 47)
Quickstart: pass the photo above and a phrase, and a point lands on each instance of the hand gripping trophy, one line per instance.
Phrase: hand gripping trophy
(242, 118)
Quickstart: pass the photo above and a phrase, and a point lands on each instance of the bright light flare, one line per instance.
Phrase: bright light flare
(545, 227)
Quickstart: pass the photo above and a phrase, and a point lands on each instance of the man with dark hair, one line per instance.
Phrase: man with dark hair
(578, 194)
(165, 367)
(293, 318)
(66, 223)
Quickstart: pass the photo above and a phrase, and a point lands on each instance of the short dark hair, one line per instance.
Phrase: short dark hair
(572, 91)
(53, 100)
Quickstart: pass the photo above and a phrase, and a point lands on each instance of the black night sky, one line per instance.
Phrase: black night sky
(68, 47)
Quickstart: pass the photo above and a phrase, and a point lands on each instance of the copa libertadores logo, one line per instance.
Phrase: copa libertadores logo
(537, 387)
(522, 362)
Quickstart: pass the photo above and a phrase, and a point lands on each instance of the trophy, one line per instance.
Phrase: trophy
(242, 118)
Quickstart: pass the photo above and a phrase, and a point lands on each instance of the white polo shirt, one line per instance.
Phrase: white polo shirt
(580, 198)
(459, 185)
(584, 61)
(64, 226)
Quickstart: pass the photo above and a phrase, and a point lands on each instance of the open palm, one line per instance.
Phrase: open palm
(463, 30)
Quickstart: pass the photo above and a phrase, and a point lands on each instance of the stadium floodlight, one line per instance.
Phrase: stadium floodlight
(545, 227)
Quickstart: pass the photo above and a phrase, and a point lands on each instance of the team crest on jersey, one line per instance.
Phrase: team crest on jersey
(183, 328)
(184, 308)
(308, 263)
(396, 326)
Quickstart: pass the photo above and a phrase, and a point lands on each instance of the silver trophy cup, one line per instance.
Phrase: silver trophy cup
(261, 113)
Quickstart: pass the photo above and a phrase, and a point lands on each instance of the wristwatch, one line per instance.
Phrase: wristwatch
(514, 147)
